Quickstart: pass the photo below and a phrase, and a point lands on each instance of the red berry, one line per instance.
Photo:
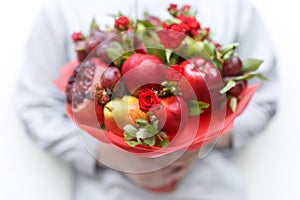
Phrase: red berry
(232, 67)
(238, 89)
(77, 36)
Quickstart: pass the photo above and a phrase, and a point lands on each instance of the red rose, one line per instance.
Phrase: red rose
(172, 9)
(190, 24)
(148, 100)
(172, 35)
(77, 36)
(174, 73)
(185, 8)
(122, 23)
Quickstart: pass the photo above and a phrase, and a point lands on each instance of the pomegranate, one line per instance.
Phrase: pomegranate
(79, 91)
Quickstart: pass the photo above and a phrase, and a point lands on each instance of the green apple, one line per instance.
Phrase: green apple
(122, 111)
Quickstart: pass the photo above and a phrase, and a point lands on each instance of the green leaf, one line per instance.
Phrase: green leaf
(150, 141)
(113, 53)
(227, 56)
(168, 55)
(130, 130)
(102, 126)
(141, 122)
(233, 103)
(155, 124)
(146, 13)
(163, 143)
(228, 86)
(132, 143)
(230, 47)
(197, 107)
(209, 48)
(250, 76)
(146, 23)
(93, 26)
(250, 65)
(128, 137)
(190, 48)
(218, 64)
(172, 21)
(142, 134)
(151, 129)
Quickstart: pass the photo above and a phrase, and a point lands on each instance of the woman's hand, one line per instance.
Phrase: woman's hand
(164, 177)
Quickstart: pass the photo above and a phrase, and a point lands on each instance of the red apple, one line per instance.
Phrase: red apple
(143, 71)
(174, 114)
(201, 76)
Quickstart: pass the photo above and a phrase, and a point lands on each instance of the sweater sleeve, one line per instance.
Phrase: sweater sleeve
(39, 104)
(255, 43)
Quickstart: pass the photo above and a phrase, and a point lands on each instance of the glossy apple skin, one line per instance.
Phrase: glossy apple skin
(174, 114)
(120, 112)
(201, 76)
(143, 71)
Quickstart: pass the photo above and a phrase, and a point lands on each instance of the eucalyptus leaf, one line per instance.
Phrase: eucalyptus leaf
(141, 122)
(151, 129)
(230, 84)
(250, 65)
(155, 124)
(128, 137)
(233, 104)
(130, 130)
(143, 134)
(164, 143)
(150, 141)
(132, 143)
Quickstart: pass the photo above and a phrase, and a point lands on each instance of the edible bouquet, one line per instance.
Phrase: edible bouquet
(153, 86)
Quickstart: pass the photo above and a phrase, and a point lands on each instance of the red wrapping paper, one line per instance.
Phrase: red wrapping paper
(200, 128)
(186, 139)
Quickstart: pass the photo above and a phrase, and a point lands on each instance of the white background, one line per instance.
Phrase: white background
(270, 164)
